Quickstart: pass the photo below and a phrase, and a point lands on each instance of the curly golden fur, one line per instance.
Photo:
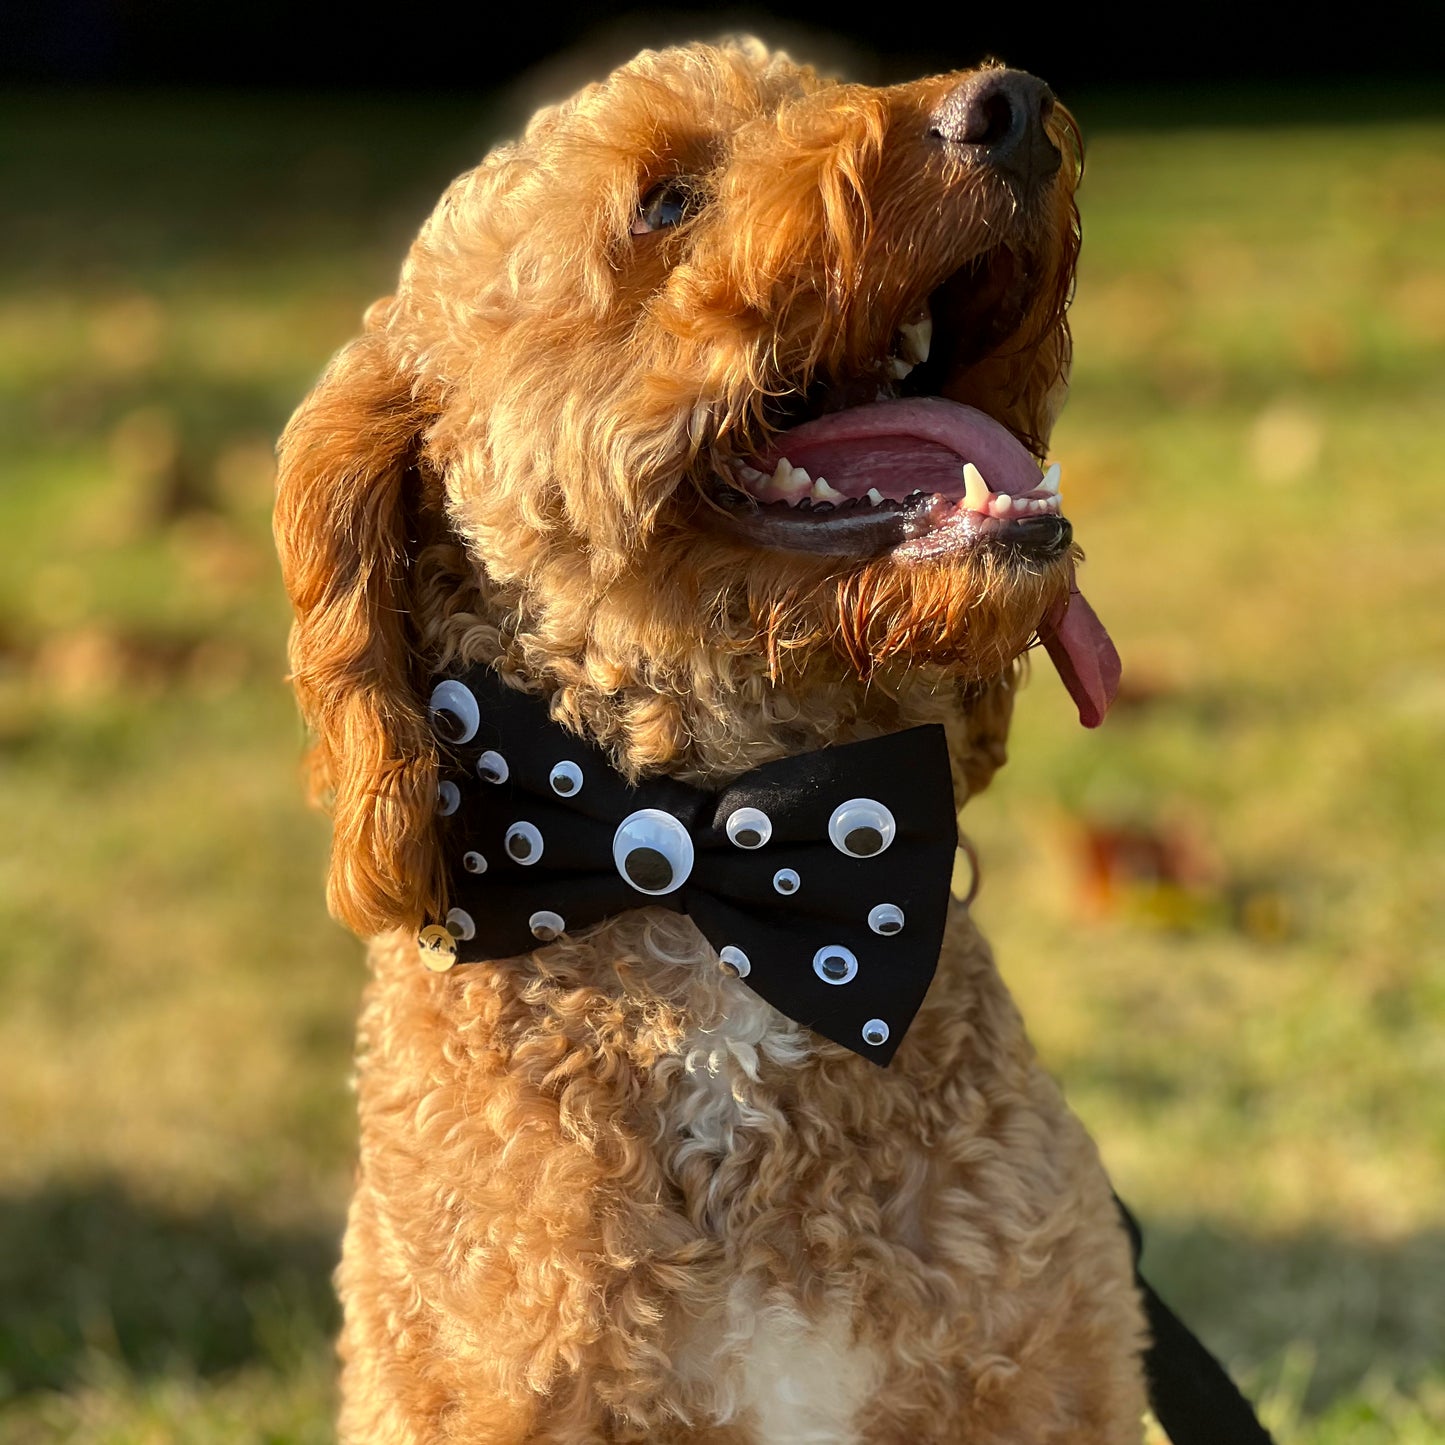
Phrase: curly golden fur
(605, 1193)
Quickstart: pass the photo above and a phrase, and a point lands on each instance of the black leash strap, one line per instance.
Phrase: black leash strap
(1191, 1395)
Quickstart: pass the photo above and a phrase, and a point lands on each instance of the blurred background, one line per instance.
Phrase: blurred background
(1223, 915)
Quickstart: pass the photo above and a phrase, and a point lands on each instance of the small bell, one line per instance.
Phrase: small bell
(437, 947)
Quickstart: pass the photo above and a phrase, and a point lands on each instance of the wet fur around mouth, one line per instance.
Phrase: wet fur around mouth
(604, 1193)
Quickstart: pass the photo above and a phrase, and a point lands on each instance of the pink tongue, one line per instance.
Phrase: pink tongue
(1084, 655)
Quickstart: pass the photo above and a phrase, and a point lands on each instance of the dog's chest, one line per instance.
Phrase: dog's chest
(760, 1360)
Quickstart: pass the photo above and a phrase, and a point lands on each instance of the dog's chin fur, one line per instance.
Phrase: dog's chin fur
(605, 1192)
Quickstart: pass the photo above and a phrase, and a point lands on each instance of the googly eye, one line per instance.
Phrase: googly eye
(749, 827)
(786, 881)
(886, 918)
(875, 1032)
(652, 851)
(861, 828)
(449, 798)
(461, 925)
(474, 863)
(523, 844)
(453, 712)
(566, 779)
(835, 964)
(547, 925)
(492, 767)
(438, 949)
(735, 961)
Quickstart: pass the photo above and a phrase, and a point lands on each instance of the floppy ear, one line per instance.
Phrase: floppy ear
(353, 505)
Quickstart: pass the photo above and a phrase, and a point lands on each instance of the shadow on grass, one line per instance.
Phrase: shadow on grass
(1348, 1311)
(91, 1270)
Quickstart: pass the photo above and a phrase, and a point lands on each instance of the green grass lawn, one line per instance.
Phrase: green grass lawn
(1255, 1033)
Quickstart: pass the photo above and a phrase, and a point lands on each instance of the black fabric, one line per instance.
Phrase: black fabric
(1190, 1392)
(730, 891)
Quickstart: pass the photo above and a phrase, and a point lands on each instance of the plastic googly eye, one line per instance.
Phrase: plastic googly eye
(749, 827)
(652, 851)
(875, 1032)
(453, 711)
(474, 863)
(566, 779)
(523, 844)
(449, 798)
(735, 960)
(461, 925)
(492, 767)
(861, 828)
(786, 881)
(886, 918)
(547, 925)
(835, 964)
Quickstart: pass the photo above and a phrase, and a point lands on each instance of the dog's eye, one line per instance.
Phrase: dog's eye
(668, 203)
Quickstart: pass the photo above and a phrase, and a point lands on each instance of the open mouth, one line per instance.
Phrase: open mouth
(892, 462)
(886, 462)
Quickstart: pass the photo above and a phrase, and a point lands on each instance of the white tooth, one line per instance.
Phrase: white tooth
(917, 339)
(898, 368)
(873, 496)
(1001, 505)
(976, 495)
(790, 482)
(822, 492)
(751, 474)
(1050, 482)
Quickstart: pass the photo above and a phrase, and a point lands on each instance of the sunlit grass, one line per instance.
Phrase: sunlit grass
(1251, 461)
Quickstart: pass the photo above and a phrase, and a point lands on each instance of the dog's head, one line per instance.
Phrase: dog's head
(715, 405)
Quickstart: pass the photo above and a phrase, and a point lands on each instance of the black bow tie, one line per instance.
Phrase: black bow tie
(821, 879)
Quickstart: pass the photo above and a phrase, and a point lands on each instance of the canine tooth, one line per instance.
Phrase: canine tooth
(790, 482)
(822, 492)
(1050, 482)
(874, 496)
(898, 368)
(917, 339)
(976, 495)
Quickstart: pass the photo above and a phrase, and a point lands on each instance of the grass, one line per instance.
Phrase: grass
(1252, 1031)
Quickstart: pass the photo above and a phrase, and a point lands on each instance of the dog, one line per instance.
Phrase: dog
(654, 431)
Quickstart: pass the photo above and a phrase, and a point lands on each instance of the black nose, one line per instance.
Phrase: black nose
(1001, 117)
